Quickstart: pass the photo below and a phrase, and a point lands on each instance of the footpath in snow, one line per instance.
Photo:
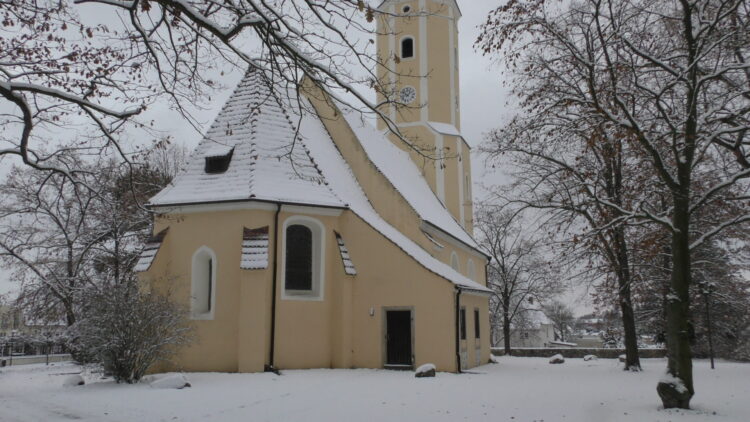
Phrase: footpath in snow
(515, 389)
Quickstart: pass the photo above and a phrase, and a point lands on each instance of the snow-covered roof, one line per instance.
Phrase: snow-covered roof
(148, 254)
(260, 127)
(400, 170)
(254, 249)
(444, 128)
(344, 183)
(266, 163)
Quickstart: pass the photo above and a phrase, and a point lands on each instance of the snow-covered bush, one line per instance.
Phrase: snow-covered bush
(127, 331)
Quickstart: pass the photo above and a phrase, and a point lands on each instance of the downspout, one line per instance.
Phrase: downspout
(458, 330)
(270, 367)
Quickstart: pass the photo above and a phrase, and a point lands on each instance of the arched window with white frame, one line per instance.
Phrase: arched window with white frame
(454, 261)
(407, 47)
(203, 285)
(303, 261)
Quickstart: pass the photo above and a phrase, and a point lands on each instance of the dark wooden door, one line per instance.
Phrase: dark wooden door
(398, 338)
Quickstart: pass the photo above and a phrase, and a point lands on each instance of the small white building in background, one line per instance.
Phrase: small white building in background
(533, 330)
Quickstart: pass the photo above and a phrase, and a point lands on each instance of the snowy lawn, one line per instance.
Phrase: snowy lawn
(515, 389)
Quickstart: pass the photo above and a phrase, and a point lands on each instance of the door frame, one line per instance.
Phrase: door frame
(384, 336)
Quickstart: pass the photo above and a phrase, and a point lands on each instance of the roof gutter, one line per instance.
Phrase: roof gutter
(240, 201)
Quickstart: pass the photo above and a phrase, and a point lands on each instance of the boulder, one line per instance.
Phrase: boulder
(425, 371)
(171, 381)
(589, 358)
(558, 358)
(73, 381)
(673, 392)
(622, 358)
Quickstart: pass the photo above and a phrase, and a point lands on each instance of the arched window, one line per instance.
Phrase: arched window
(407, 48)
(303, 258)
(454, 261)
(203, 287)
(471, 270)
(299, 258)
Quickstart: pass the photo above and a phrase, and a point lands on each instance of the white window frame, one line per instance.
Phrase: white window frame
(471, 270)
(196, 277)
(319, 251)
(454, 262)
(413, 48)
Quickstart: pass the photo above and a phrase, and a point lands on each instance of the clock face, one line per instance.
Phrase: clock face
(408, 94)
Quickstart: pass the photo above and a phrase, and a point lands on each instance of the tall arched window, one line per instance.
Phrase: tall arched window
(471, 270)
(299, 258)
(303, 258)
(407, 48)
(203, 286)
(454, 261)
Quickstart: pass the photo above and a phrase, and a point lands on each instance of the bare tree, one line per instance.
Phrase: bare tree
(58, 70)
(518, 272)
(46, 237)
(62, 237)
(562, 318)
(673, 78)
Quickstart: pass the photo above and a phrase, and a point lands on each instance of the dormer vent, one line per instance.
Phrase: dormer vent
(218, 159)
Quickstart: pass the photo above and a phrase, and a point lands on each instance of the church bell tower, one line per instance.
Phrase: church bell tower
(417, 45)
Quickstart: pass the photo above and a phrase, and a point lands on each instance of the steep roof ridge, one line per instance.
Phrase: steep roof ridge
(328, 106)
(298, 136)
(253, 122)
(364, 131)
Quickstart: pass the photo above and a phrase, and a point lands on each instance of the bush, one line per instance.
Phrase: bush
(128, 331)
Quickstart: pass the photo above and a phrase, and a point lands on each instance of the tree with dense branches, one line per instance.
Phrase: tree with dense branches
(673, 79)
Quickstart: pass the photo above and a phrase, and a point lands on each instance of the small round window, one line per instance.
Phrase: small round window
(407, 9)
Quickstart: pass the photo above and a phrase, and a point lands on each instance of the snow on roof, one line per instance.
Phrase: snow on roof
(266, 164)
(345, 258)
(149, 251)
(254, 249)
(444, 128)
(396, 165)
(344, 183)
(217, 151)
(261, 127)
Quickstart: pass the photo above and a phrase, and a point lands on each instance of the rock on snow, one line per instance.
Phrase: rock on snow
(171, 381)
(590, 357)
(73, 381)
(558, 358)
(426, 370)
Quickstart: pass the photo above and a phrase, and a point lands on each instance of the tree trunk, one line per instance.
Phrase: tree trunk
(707, 299)
(676, 390)
(506, 328)
(624, 278)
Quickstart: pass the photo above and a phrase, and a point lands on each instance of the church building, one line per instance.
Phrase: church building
(300, 235)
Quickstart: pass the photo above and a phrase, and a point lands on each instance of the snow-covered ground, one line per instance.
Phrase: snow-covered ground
(515, 389)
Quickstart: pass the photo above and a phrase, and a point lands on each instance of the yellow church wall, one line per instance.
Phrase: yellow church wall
(438, 51)
(337, 331)
(235, 339)
(472, 345)
(392, 281)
